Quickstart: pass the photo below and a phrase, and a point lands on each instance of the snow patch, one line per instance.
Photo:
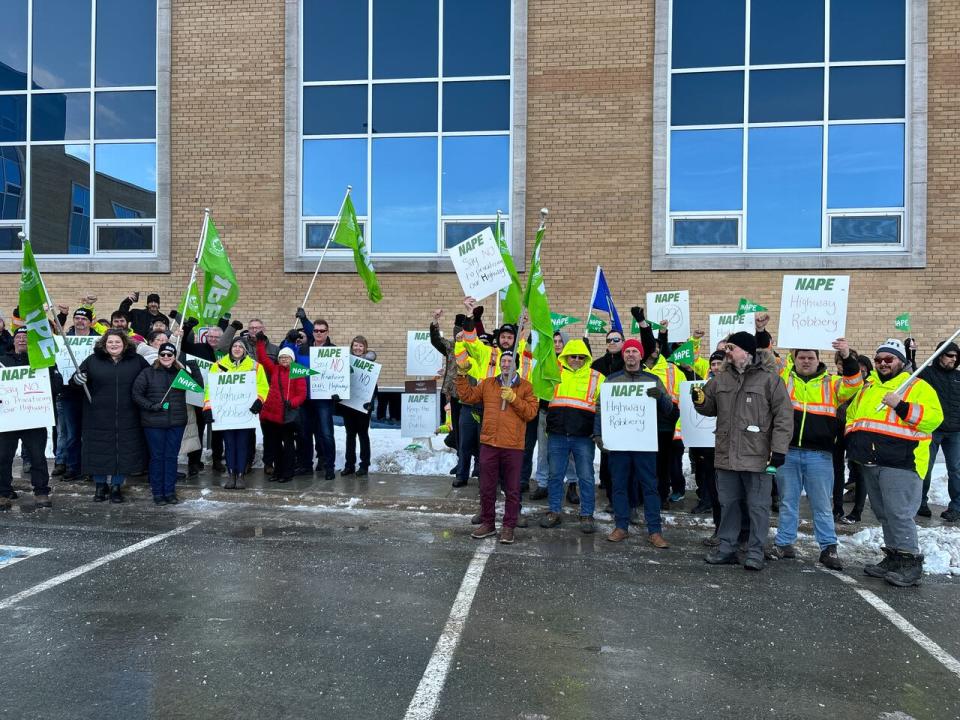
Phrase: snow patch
(940, 547)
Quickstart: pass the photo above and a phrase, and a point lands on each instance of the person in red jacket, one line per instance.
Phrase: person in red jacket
(279, 415)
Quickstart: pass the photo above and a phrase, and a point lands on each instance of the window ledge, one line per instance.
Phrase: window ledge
(380, 264)
(82, 264)
(790, 261)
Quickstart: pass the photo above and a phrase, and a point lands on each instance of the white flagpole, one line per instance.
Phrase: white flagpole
(927, 362)
(333, 231)
(596, 283)
(193, 273)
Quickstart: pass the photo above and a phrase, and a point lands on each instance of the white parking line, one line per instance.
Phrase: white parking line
(76, 572)
(902, 624)
(425, 700)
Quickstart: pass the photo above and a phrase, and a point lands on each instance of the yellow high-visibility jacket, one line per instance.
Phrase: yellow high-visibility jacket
(815, 402)
(226, 364)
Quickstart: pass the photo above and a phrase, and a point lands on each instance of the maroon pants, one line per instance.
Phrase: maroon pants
(496, 463)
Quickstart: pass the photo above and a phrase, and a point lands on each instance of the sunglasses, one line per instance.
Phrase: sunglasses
(319, 332)
(885, 360)
(952, 356)
(166, 354)
(614, 340)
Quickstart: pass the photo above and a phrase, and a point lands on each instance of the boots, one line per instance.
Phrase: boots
(239, 484)
(231, 482)
(115, 495)
(891, 561)
(909, 572)
(100, 494)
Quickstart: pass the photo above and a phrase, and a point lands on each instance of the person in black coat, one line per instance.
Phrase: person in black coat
(163, 414)
(111, 422)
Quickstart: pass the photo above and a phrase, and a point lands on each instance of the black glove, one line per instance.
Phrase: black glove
(335, 398)
(190, 324)
(257, 406)
(208, 417)
(237, 325)
(637, 313)
(293, 336)
(368, 406)
(653, 392)
(156, 407)
(777, 459)
(173, 314)
(222, 322)
(478, 312)
(698, 395)
(459, 320)
(301, 314)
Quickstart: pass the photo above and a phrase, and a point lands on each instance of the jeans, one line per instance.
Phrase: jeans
(102, 479)
(810, 470)
(469, 438)
(734, 486)
(582, 448)
(894, 498)
(235, 448)
(357, 425)
(164, 446)
(949, 442)
(543, 455)
(496, 464)
(71, 416)
(627, 471)
(34, 444)
(323, 414)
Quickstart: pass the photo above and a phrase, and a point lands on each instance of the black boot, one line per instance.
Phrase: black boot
(100, 494)
(909, 572)
(363, 471)
(115, 495)
(890, 562)
(231, 482)
(239, 484)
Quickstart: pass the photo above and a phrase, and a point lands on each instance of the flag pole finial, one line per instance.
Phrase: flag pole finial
(349, 188)
(207, 210)
(543, 212)
(21, 236)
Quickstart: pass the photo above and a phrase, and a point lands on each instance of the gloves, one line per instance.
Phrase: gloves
(80, 378)
(463, 368)
(257, 406)
(301, 314)
(190, 324)
(508, 394)
(459, 320)
(637, 313)
(335, 398)
(173, 314)
(654, 392)
(156, 407)
(222, 322)
(777, 459)
(598, 441)
(369, 406)
(698, 395)
(292, 337)
(478, 312)
(208, 417)
(237, 325)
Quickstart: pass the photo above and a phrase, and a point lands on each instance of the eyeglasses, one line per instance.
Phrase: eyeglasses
(319, 332)
(166, 354)
(951, 355)
(884, 360)
(614, 340)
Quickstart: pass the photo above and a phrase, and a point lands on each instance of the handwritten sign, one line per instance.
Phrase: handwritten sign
(479, 265)
(723, 324)
(25, 399)
(82, 348)
(333, 367)
(231, 395)
(196, 398)
(673, 306)
(419, 415)
(698, 430)
(363, 381)
(628, 417)
(813, 310)
(422, 358)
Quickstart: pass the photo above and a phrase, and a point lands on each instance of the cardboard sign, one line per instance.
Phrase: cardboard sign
(333, 367)
(813, 311)
(82, 349)
(25, 399)
(419, 415)
(479, 265)
(196, 398)
(422, 357)
(363, 381)
(698, 430)
(674, 307)
(420, 386)
(628, 417)
(231, 395)
(723, 324)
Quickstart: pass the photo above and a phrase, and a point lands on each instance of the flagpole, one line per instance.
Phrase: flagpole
(56, 322)
(596, 283)
(193, 274)
(496, 307)
(926, 363)
(333, 232)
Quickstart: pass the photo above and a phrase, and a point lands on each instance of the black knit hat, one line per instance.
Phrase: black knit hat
(745, 341)
(153, 297)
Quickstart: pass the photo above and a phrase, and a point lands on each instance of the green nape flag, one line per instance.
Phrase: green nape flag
(220, 288)
(683, 355)
(190, 306)
(596, 325)
(183, 381)
(511, 297)
(635, 326)
(561, 321)
(902, 322)
(349, 236)
(41, 347)
(301, 371)
(545, 374)
(748, 306)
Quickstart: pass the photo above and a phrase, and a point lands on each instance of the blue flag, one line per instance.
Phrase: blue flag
(603, 300)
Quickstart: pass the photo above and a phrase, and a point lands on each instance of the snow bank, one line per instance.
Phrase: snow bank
(940, 547)
(938, 485)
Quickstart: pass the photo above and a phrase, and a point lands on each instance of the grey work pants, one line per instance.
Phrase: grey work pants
(894, 498)
(732, 487)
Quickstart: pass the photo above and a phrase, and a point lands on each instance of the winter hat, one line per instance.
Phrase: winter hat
(717, 356)
(21, 330)
(633, 343)
(951, 347)
(84, 312)
(153, 297)
(745, 341)
(894, 347)
(485, 338)
(286, 352)
(242, 340)
(508, 327)
(167, 347)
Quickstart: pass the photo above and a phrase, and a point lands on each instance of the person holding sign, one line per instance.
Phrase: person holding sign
(508, 405)
(163, 415)
(633, 473)
(70, 410)
(33, 439)
(281, 410)
(754, 426)
(357, 423)
(112, 446)
(889, 431)
(235, 442)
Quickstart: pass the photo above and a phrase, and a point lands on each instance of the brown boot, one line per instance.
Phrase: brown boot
(618, 535)
(656, 539)
(483, 531)
(506, 536)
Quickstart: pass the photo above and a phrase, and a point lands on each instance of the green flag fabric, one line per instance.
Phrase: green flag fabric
(511, 297)
(596, 325)
(902, 322)
(545, 374)
(561, 321)
(190, 306)
(183, 381)
(220, 288)
(301, 371)
(748, 306)
(635, 326)
(349, 236)
(683, 355)
(41, 346)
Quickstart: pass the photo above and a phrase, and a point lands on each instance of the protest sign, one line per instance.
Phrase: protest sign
(419, 415)
(231, 395)
(674, 307)
(902, 323)
(628, 417)
(813, 310)
(333, 372)
(422, 358)
(196, 398)
(723, 324)
(25, 399)
(82, 349)
(363, 380)
(698, 430)
(479, 265)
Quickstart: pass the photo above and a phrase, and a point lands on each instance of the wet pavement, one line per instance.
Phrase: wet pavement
(300, 610)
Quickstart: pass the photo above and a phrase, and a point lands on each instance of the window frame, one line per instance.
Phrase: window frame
(911, 252)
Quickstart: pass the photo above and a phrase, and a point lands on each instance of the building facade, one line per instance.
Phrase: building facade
(707, 145)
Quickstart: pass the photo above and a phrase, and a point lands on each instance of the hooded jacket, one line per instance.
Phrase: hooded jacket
(227, 364)
(816, 400)
(286, 395)
(946, 383)
(574, 404)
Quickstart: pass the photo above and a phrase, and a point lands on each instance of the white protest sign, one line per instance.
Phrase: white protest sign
(423, 360)
(25, 399)
(196, 398)
(82, 347)
(674, 307)
(333, 364)
(813, 311)
(419, 415)
(479, 265)
(363, 380)
(724, 324)
(698, 430)
(231, 395)
(628, 417)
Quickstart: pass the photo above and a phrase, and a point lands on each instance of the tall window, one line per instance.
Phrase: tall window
(78, 86)
(787, 126)
(410, 103)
